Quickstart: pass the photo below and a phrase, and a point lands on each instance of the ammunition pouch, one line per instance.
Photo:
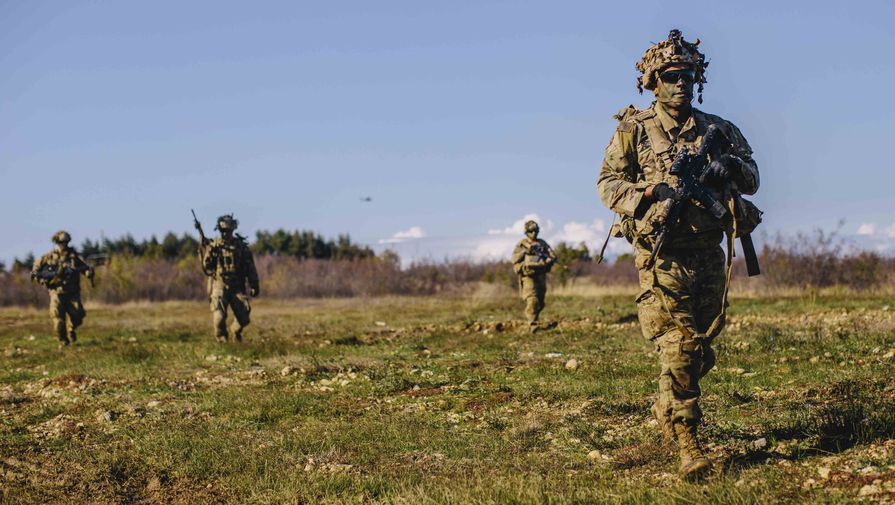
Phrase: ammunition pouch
(747, 215)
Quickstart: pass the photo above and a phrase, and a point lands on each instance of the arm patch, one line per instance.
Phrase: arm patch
(625, 126)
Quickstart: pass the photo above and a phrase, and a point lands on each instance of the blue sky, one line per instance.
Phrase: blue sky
(457, 118)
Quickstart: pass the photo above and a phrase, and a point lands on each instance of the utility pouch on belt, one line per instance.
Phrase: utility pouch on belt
(748, 216)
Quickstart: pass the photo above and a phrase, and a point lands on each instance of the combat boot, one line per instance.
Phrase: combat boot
(695, 466)
(72, 336)
(665, 425)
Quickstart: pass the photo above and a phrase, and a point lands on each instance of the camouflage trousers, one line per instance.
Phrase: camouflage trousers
(67, 313)
(676, 306)
(533, 290)
(221, 299)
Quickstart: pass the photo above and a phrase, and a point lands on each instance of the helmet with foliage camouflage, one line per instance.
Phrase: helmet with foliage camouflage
(531, 226)
(226, 222)
(61, 237)
(672, 51)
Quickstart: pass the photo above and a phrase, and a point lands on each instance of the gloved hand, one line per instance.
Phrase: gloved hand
(662, 192)
(720, 170)
(254, 292)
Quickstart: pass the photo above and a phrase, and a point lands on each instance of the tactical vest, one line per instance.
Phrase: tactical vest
(66, 283)
(230, 261)
(656, 152)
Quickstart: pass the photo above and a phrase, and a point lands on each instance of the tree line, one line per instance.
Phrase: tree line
(298, 244)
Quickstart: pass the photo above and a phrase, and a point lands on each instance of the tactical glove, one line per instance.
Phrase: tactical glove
(662, 192)
(719, 171)
(254, 292)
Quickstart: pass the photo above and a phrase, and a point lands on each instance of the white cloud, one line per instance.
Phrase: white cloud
(890, 231)
(414, 232)
(574, 233)
(518, 227)
(499, 243)
(867, 229)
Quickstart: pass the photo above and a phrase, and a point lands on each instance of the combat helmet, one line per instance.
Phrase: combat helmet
(61, 237)
(531, 225)
(226, 222)
(671, 51)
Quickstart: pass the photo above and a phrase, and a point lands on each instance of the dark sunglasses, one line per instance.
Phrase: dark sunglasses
(674, 76)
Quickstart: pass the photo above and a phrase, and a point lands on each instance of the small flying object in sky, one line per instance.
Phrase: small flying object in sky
(366, 199)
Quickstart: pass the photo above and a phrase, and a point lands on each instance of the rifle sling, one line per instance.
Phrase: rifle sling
(606, 242)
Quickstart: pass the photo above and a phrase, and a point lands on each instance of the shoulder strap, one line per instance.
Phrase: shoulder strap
(659, 143)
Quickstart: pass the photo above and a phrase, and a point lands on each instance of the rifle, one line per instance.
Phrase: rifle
(203, 241)
(49, 273)
(690, 169)
(539, 252)
(541, 256)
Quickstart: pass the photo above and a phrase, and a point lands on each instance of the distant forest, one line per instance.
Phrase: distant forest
(298, 244)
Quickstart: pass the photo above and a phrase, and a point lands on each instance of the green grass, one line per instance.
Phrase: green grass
(439, 400)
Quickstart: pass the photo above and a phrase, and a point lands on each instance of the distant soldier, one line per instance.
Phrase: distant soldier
(681, 305)
(228, 262)
(60, 272)
(532, 259)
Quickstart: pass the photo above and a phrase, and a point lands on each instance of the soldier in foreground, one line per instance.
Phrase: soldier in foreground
(681, 305)
(532, 259)
(229, 264)
(60, 272)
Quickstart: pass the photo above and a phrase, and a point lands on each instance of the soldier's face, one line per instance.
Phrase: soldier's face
(675, 87)
(532, 234)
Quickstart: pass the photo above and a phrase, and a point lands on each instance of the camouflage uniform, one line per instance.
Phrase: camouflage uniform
(228, 262)
(66, 309)
(532, 259)
(681, 296)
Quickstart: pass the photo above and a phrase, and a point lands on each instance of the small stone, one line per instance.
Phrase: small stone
(876, 350)
(814, 359)
(828, 355)
(737, 371)
(132, 339)
(824, 472)
(31, 337)
(759, 444)
(889, 355)
(211, 357)
(287, 371)
(379, 323)
(594, 455)
(553, 355)
(869, 490)
(153, 404)
(107, 416)
(572, 364)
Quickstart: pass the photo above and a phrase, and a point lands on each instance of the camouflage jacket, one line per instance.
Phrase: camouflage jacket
(533, 257)
(231, 262)
(640, 155)
(67, 265)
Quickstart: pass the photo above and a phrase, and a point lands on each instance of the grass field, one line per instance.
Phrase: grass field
(440, 400)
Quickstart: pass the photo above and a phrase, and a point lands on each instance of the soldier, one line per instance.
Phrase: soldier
(532, 259)
(228, 262)
(60, 272)
(682, 300)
